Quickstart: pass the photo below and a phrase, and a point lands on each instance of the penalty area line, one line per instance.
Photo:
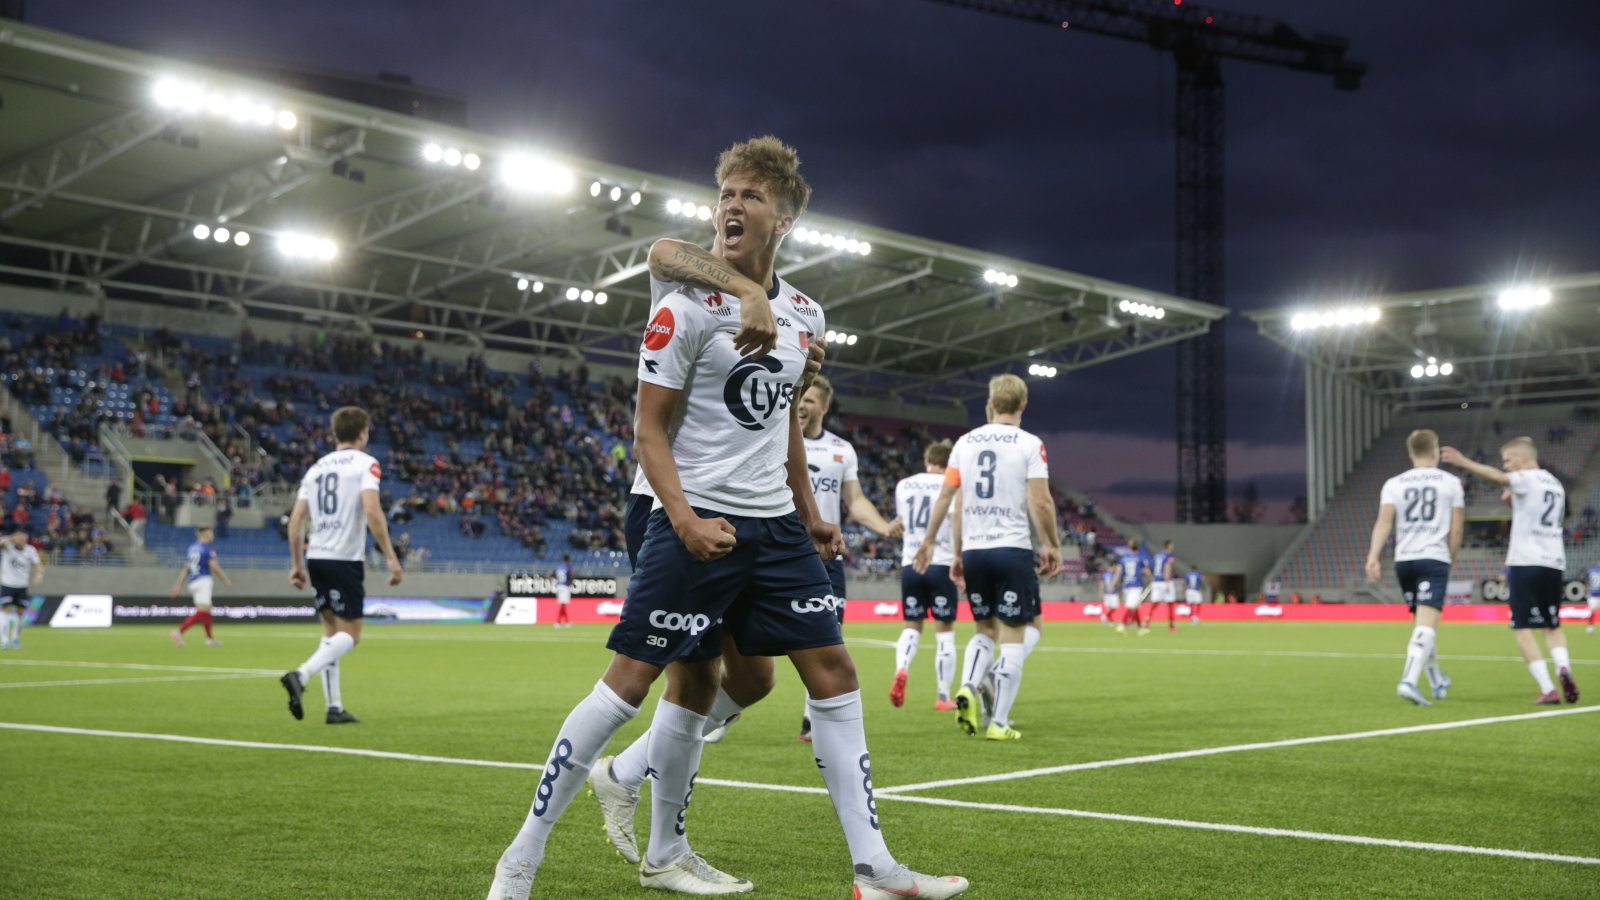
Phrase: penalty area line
(90, 681)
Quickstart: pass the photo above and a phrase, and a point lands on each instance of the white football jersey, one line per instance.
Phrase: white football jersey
(332, 487)
(1424, 500)
(993, 465)
(16, 566)
(658, 291)
(1538, 507)
(831, 461)
(914, 498)
(730, 432)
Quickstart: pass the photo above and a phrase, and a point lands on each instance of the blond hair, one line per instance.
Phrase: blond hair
(821, 383)
(774, 164)
(1521, 445)
(937, 454)
(348, 423)
(1422, 442)
(1008, 393)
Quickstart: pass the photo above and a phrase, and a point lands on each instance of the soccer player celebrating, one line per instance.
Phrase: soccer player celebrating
(927, 594)
(732, 545)
(201, 568)
(1004, 480)
(1429, 507)
(835, 483)
(1536, 559)
(564, 591)
(1133, 578)
(340, 497)
(18, 559)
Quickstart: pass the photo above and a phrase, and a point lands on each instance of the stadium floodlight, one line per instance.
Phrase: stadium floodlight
(841, 339)
(530, 174)
(472, 161)
(594, 189)
(586, 296)
(287, 120)
(241, 238)
(221, 235)
(572, 293)
(202, 231)
(432, 153)
(1433, 368)
(1417, 370)
(303, 246)
(1146, 310)
(452, 156)
(866, 249)
(999, 278)
(1340, 317)
(636, 198)
(703, 213)
(1041, 371)
(522, 284)
(1519, 298)
(1446, 368)
(600, 298)
(673, 205)
(616, 193)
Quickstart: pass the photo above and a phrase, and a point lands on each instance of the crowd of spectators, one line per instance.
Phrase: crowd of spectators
(57, 528)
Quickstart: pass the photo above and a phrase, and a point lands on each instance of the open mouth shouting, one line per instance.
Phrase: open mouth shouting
(732, 233)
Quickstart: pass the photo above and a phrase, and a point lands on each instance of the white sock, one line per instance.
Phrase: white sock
(839, 743)
(1435, 677)
(331, 649)
(944, 661)
(631, 766)
(581, 739)
(723, 711)
(675, 745)
(1561, 658)
(905, 649)
(1030, 639)
(1542, 675)
(6, 617)
(1417, 653)
(330, 685)
(1007, 680)
(980, 656)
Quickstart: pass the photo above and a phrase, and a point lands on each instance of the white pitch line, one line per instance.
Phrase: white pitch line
(1232, 748)
(1293, 654)
(1251, 829)
(149, 667)
(151, 680)
(794, 789)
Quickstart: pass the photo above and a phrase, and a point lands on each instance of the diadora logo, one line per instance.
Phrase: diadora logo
(694, 623)
(649, 364)
(826, 604)
(715, 304)
(754, 400)
(659, 332)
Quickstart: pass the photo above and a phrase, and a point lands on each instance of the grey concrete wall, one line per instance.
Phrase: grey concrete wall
(1248, 550)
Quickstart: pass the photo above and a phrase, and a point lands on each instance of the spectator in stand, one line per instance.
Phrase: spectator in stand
(113, 495)
(169, 499)
(136, 517)
(224, 516)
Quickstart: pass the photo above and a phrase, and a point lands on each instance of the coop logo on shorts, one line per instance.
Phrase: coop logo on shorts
(826, 604)
(659, 332)
(753, 399)
(694, 623)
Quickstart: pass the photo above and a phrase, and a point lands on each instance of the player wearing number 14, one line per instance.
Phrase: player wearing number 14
(1425, 508)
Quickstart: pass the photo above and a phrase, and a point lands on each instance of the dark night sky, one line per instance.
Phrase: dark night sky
(1468, 155)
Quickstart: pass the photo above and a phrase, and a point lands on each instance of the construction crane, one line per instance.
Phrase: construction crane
(1199, 39)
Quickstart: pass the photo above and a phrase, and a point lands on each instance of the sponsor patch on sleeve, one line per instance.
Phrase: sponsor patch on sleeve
(658, 334)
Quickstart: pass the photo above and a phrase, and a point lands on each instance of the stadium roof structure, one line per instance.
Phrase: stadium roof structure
(127, 175)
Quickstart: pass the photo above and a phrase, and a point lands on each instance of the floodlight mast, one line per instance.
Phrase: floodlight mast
(1199, 39)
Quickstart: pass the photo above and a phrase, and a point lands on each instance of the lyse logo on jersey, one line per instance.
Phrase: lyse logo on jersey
(752, 399)
(659, 332)
(823, 485)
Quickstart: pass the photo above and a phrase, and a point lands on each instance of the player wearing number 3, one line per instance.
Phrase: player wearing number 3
(1425, 508)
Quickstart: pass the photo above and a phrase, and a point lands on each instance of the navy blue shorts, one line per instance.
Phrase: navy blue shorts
(835, 569)
(635, 519)
(1423, 582)
(771, 594)
(1002, 582)
(1535, 596)
(13, 596)
(340, 586)
(931, 593)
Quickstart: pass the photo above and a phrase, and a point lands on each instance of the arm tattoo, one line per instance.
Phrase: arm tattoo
(697, 268)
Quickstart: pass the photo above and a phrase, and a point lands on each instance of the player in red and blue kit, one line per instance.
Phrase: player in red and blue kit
(1164, 587)
(563, 591)
(1133, 573)
(1592, 577)
(1109, 598)
(200, 567)
(1194, 593)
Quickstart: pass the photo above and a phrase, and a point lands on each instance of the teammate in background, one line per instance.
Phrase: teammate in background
(18, 559)
(1133, 579)
(832, 463)
(336, 494)
(732, 546)
(564, 591)
(1430, 508)
(927, 594)
(1003, 476)
(1164, 589)
(1536, 559)
(1110, 599)
(1593, 579)
(1194, 594)
(201, 569)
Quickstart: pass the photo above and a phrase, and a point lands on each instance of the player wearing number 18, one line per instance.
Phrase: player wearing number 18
(338, 492)
(1424, 506)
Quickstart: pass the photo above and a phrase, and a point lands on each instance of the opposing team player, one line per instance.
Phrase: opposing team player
(835, 483)
(1003, 477)
(339, 497)
(1194, 593)
(1164, 589)
(18, 561)
(1133, 580)
(201, 569)
(732, 545)
(564, 591)
(1425, 507)
(1536, 560)
(1593, 578)
(931, 593)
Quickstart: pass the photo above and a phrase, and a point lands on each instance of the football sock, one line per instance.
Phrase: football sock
(675, 745)
(1417, 653)
(1561, 658)
(7, 617)
(189, 622)
(1541, 674)
(331, 649)
(980, 656)
(632, 765)
(944, 661)
(1030, 639)
(581, 738)
(723, 709)
(1432, 666)
(905, 649)
(205, 619)
(1007, 680)
(16, 624)
(839, 743)
(330, 686)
